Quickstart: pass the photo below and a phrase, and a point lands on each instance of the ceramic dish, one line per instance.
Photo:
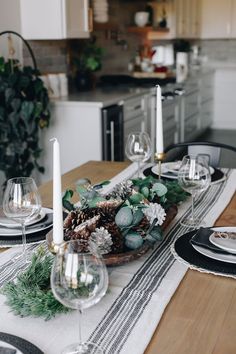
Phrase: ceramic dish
(170, 169)
(41, 225)
(4, 221)
(228, 258)
(225, 244)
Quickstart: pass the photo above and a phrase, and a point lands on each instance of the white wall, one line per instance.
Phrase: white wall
(10, 20)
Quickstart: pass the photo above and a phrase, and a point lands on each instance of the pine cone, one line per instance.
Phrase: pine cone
(109, 206)
(142, 227)
(117, 237)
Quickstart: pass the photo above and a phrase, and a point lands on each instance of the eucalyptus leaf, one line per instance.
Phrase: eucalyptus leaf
(136, 198)
(160, 189)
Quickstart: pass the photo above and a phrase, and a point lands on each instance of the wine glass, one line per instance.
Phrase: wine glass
(138, 148)
(79, 280)
(21, 202)
(194, 177)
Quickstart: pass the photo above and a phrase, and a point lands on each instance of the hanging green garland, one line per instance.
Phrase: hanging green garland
(24, 111)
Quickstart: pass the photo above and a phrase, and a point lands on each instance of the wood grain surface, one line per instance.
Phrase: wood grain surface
(201, 316)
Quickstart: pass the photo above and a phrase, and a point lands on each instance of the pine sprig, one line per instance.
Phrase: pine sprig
(30, 293)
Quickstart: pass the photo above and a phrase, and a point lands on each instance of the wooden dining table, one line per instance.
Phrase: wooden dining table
(201, 316)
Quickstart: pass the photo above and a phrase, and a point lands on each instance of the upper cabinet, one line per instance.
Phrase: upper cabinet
(187, 18)
(218, 19)
(183, 20)
(51, 19)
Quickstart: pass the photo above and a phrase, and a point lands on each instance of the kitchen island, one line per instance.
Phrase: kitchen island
(78, 120)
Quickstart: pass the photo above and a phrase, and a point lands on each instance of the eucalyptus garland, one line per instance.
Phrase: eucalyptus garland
(30, 293)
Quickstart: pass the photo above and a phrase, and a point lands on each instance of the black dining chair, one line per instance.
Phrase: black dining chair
(220, 155)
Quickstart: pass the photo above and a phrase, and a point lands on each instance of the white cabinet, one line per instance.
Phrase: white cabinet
(216, 18)
(78, 128)
(54, 19)
(224, 102)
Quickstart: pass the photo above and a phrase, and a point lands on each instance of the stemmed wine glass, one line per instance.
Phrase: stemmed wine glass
(138, 148)
(194, 177)
(21, 202)
(79, 280)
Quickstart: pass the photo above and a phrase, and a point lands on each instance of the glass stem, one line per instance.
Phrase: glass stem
(23, 240)
(80, 327)
(193, 216)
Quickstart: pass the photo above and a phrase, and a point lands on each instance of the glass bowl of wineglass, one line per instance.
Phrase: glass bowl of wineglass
(79, 280)
(21, 202)
(194, 177)
(138, 148)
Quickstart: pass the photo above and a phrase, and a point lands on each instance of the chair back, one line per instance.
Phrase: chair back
(211, 149)
(212, 152)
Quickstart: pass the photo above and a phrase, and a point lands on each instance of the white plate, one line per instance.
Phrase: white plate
(228, 245)
(4, 221)
(6, 231)
(170, 169)
(229, 258)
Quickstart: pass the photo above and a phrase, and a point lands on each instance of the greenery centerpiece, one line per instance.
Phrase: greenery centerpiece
(131, 215)
(23, 112)
(120, 221)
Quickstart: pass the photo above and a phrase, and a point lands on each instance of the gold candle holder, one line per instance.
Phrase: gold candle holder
(159, 157)
(53, 247)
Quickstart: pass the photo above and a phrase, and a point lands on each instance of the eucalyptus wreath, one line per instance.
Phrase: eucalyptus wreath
(24, 111)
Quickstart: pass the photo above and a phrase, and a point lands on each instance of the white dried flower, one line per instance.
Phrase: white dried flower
(155, 211)
(102, 238)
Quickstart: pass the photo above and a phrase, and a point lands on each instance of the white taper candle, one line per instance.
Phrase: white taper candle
(57, 196)
(159, 122)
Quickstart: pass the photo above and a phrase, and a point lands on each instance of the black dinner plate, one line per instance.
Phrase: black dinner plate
(19, 343)
(216, 176)
(186, 251)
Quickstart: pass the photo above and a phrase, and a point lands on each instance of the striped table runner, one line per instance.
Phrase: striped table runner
(125, 319)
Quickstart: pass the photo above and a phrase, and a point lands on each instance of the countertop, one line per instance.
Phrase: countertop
(100, 97)
(103, 97)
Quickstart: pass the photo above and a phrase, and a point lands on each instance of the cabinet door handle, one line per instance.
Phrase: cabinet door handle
(90, 17)
(112, 141)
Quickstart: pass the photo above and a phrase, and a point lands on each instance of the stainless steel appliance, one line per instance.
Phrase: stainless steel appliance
(112, 133)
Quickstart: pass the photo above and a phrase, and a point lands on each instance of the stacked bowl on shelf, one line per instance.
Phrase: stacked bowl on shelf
(100, 8)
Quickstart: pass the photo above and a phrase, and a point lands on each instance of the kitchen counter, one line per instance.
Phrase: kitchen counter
(100, 97)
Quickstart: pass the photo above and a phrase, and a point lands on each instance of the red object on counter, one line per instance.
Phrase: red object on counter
(160, 69)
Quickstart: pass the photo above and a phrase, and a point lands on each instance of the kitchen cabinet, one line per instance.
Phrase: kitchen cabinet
(54, 19)
(224, 102)
(135, 114)
(187, 18)
(206, 92)
(78, 129)
(170, 114)
(216, 18)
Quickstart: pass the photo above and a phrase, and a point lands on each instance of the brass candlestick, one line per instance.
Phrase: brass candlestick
(159, 157)
(53, 247)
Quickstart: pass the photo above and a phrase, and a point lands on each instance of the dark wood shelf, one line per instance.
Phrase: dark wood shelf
(108, 26)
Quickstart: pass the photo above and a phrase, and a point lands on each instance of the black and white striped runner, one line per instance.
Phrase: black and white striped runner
(118, 323)
(142, 299)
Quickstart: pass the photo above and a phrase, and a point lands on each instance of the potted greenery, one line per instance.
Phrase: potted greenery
(86, 60)
(23, 112)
